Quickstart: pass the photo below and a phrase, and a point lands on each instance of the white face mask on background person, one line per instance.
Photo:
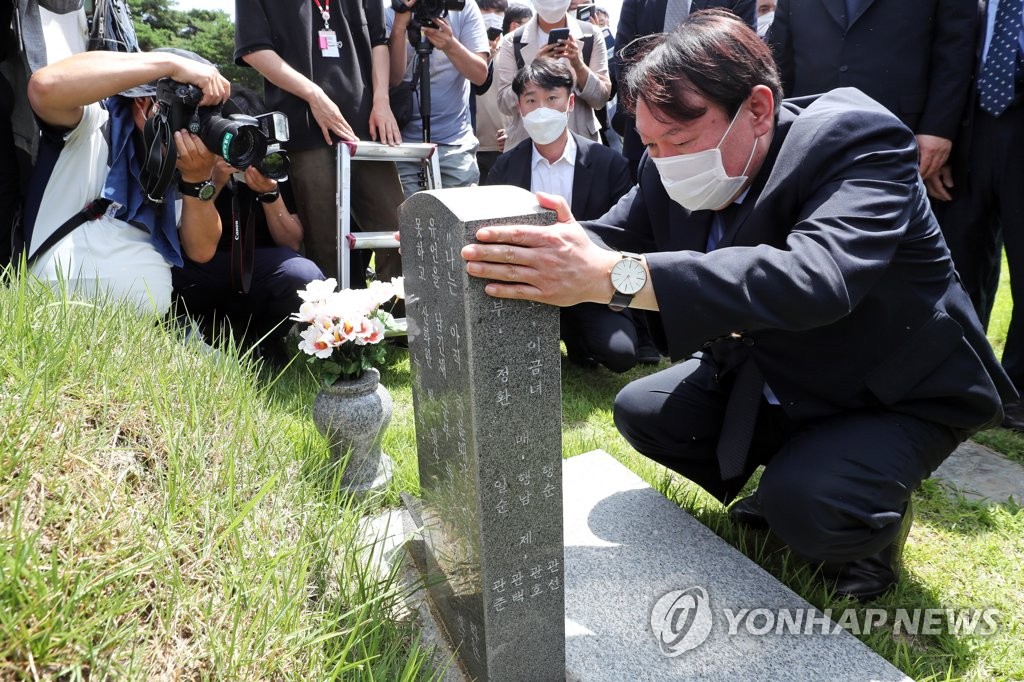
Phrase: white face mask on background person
(544, 124)
(764, 21)
(699, 181)
(551, 11)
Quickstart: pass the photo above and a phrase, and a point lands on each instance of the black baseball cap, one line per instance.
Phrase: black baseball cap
(149, 89)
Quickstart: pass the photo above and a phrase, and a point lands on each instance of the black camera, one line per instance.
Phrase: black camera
(240, 140)
(425, 11)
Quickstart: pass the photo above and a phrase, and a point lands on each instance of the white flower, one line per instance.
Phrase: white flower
(318, 290)
(316, 342)
(398, 284)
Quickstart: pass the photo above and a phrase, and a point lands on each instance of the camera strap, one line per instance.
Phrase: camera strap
(93, 210)
(161, 155)
(243, 235)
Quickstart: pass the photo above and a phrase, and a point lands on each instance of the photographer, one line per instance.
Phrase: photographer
(92, 148)
(265, 213)
(455, 43)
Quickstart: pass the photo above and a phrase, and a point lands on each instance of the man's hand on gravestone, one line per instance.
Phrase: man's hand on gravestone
(555, 264)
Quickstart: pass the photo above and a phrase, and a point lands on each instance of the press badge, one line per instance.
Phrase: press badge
(329, 44)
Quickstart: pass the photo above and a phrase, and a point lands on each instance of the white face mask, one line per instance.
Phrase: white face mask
(764, 21)
(699, 182)
(544, 125)
(551, 11)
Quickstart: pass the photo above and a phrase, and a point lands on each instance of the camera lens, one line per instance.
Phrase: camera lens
(240, 144)
(274, 165)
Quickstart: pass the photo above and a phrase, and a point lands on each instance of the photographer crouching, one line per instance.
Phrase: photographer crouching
(251, 282)
(98, 151)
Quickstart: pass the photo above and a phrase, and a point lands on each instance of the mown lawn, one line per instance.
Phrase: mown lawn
(167, 512)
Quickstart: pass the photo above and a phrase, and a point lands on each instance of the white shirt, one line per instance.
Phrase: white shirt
(554, 178)
(102, 258)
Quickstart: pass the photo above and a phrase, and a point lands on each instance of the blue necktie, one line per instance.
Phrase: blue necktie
(998, 73)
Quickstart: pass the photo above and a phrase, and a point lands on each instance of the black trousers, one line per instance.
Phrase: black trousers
(593, 330)
(204, 292)
(988, 209)
(833, 489)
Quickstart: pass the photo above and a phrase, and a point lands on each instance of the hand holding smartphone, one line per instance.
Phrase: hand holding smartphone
(558, 34)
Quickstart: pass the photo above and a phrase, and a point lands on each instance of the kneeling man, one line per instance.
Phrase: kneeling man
(805, 290)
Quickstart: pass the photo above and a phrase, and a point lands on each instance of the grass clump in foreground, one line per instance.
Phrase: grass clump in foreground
(167, 513)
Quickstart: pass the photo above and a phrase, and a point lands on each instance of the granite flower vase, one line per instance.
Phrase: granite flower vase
(353, 414)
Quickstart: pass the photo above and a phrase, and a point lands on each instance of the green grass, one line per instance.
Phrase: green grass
(168, 512)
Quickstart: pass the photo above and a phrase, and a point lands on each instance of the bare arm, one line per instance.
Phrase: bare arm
(284, 226)
(472, 65)
(383, 126)
(200, 228)
(58, 92)
(325, 111)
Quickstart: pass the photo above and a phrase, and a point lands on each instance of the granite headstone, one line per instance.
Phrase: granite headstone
(487, 399)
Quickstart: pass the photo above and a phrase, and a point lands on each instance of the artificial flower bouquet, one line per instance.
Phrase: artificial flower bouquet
(346, 328)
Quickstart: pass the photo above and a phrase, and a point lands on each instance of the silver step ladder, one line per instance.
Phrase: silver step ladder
(372, 151)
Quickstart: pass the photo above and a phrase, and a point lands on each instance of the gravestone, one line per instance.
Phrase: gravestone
(487, 398)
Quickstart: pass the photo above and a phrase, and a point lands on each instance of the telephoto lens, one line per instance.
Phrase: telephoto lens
(274, 165)
(237, 139)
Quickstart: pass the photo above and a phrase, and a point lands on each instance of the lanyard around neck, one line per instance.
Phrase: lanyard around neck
(325, 12)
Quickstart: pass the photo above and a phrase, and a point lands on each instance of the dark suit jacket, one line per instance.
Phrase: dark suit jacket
(833, 269)
(639, 18)
(914, 57)
(601, 176)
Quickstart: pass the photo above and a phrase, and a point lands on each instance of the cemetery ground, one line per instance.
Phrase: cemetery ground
(168, 512)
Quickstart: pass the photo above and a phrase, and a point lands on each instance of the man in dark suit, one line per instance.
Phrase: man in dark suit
(590, 177)
(914, 58)
(981, 205)
(804, 285)
(639, 18)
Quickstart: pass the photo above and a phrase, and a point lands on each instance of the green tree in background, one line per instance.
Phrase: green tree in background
(209, 33)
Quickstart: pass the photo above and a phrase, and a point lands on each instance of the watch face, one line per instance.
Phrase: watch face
(628, 276)
(206, 192)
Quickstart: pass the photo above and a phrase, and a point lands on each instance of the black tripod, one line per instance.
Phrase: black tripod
(424, 49)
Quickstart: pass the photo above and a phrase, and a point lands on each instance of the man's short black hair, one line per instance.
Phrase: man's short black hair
(547, 74)
(493, 5)
(712, 54)
(516, 13)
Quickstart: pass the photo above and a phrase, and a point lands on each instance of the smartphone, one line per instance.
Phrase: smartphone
(558, 34)
(584, 12)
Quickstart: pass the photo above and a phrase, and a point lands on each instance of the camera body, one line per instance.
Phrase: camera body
(425, 11)
(240, 140)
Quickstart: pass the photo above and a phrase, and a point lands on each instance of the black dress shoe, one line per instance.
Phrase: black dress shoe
(647, 353)
(871, 576)
(747, 511)
(1013, 415)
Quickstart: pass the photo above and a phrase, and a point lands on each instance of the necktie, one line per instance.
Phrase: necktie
(996, 81)
(675, 12)
(739, 420)
(852, 7)
(744, 400)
